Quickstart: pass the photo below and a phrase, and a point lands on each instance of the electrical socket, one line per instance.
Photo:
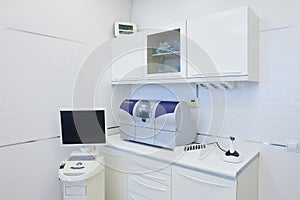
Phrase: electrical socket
(293, 145)
(193, 103)
(194, 147)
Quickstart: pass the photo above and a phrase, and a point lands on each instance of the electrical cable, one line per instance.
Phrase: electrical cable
(218, 145)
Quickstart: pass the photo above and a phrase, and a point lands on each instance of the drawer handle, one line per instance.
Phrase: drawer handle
(132, 197)
(105, 152)
(204, 181)
(147, 175)
(154, 177)
(146, 185)
(146, 165)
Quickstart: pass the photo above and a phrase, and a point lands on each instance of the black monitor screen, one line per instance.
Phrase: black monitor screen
(83, 127)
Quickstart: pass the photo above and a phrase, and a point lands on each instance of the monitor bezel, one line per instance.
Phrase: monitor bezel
(83, 145)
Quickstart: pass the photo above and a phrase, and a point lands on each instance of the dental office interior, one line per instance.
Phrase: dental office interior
(233, 132)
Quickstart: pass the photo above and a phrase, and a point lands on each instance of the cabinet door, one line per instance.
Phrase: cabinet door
(115, 174)
(127, 56)
(187, 184)
(218, 44)
(165, 54)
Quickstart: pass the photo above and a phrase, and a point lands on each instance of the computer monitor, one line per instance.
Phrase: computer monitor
(83, 127)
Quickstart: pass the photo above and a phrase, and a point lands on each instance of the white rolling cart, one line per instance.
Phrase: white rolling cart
(82, 173)
(82, 177)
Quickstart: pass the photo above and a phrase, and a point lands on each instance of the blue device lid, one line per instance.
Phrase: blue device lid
(165, 107)
(128, 105)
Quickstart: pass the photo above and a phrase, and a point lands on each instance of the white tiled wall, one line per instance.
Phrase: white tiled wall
(268, 111)
(37, 79)
(37, 76)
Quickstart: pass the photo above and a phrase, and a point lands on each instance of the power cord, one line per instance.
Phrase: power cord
(218, 145)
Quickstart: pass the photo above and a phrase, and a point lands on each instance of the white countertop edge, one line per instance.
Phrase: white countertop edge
(181, 158)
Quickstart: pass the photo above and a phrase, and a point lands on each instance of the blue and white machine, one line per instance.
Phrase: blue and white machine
(161, 123)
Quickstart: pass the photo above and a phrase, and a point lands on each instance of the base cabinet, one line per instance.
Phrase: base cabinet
(193, 184)
(134, 177)
(115, 174)
(187, 183)
(148, 179)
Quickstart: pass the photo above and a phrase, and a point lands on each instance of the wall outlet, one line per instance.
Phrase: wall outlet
(293, 145)
(194, 147)
(193, 103)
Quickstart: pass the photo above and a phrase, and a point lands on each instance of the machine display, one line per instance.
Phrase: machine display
(83, 127)
(160, 123)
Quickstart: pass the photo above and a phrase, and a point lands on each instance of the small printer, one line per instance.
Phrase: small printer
(165, 124)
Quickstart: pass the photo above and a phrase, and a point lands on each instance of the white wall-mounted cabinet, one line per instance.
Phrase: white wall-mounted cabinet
(165, 55)
(224, 45)
(127, 57)
(156, 54)
(214, 48)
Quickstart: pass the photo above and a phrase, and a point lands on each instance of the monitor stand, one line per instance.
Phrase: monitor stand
(90, 150)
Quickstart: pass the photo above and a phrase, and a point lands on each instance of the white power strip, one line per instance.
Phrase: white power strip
(194, 147)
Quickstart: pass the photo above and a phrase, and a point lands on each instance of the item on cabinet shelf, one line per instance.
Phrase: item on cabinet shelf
(160, 123)
(219, 85)
(232, 155)
(176, 45)
(163, 47)
(124, 28)
(165, 56)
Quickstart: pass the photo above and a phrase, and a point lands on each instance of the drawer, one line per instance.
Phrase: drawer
(112, 153)
(135, 196)
(153, 175)
(75, 191)
(149, 165)
(188, 183)
(148, 188)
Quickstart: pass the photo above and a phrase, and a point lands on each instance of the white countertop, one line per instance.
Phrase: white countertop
(208, 160)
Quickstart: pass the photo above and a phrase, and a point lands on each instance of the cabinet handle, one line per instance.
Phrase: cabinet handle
(105, 152)
(149, 186)
(148, 170)
(150, 167)
(132, 197)
(215, 74)
(204, 181)
(154, 177)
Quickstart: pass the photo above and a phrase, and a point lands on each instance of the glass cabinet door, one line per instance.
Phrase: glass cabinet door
(166, 52)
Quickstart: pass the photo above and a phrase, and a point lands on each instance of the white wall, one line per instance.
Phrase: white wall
(88, 21)
(268, 111)
(37, 78)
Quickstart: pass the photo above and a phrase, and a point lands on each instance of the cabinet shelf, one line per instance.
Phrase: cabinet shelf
(172, 53)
